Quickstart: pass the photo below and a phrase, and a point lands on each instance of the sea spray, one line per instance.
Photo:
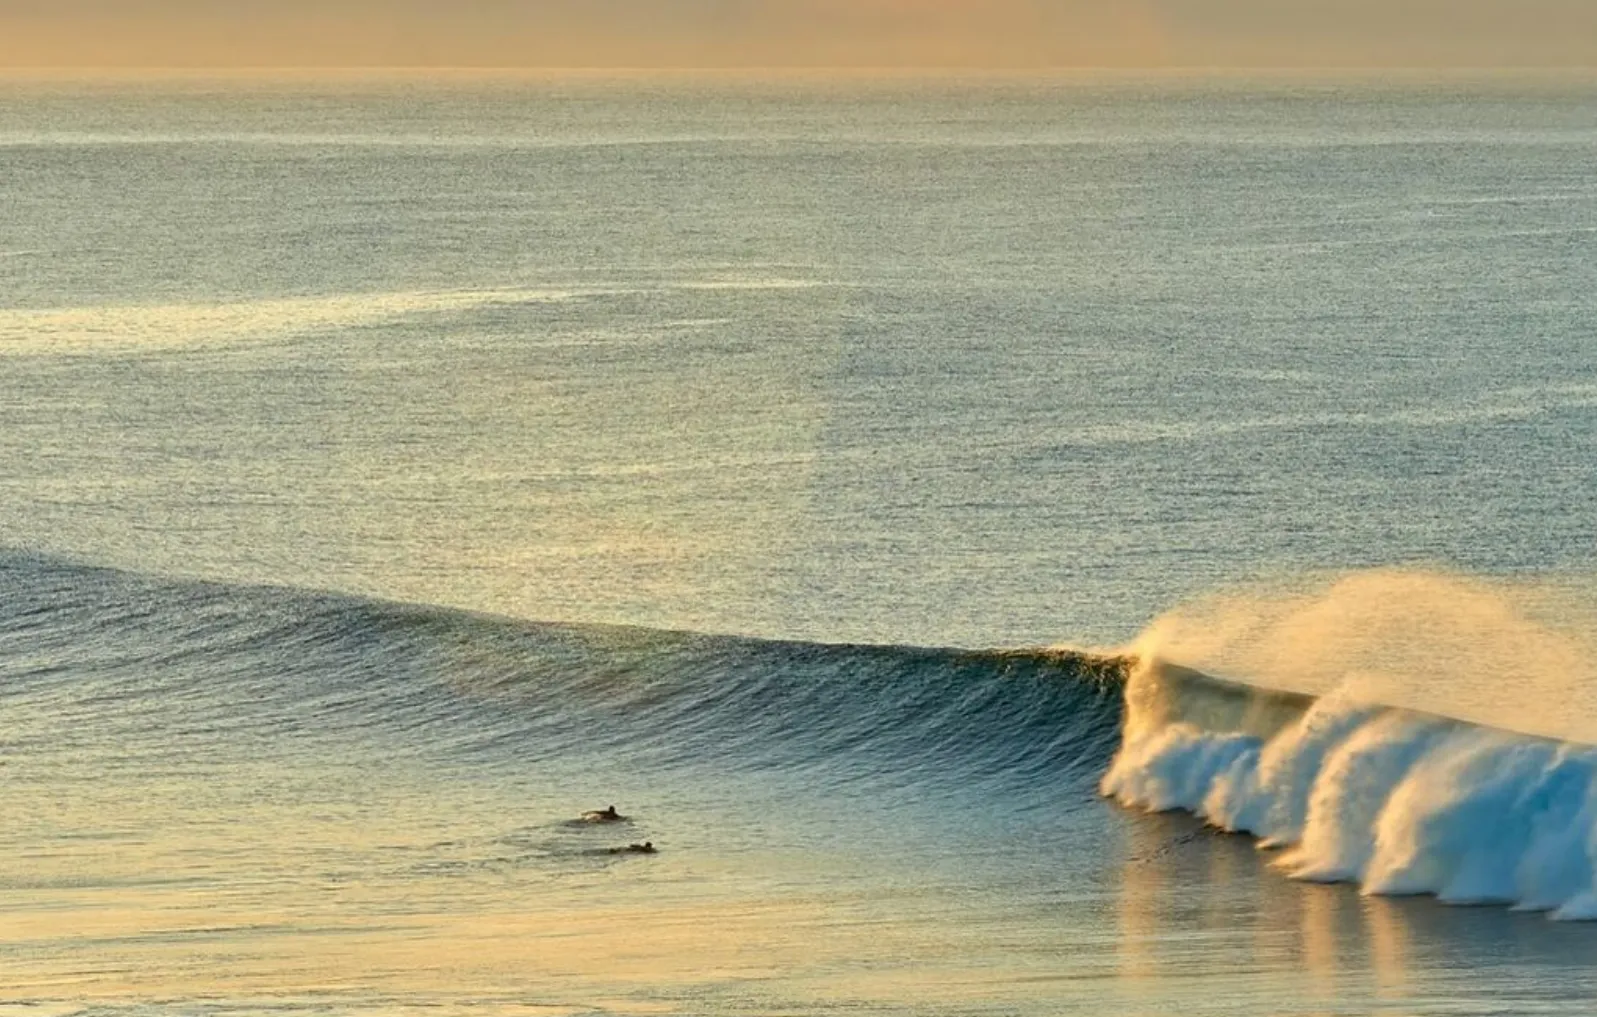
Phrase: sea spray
(1516, 654)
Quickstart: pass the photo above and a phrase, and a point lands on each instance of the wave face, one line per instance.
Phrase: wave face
(120, 672)
(1399, 801)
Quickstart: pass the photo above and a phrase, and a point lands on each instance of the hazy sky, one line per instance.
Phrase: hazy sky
(753, 33)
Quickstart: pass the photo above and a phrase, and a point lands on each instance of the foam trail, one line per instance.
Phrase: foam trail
(1397, 801)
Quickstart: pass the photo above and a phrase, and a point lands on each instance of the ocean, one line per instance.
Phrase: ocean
(1023, 545)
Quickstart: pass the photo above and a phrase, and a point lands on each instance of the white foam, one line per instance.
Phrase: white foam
(1397, 801)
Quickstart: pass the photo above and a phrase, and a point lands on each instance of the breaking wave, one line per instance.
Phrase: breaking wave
(111, 672)
(1345, 788)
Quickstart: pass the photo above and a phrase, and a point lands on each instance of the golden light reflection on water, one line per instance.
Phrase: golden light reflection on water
(131, 896)
(486, 937)
(1350, 940)
(398, 907)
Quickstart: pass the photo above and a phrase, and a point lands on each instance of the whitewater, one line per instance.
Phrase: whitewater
(1358, 783)
(938, 512)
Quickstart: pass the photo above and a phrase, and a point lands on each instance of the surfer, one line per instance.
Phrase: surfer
(646, 848)
(605, 815)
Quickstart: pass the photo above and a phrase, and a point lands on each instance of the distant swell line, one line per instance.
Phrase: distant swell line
(174, 326)
(159, 327)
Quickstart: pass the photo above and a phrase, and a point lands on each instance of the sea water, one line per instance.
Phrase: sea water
(882, 489)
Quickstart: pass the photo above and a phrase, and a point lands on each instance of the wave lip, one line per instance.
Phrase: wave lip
(1397, 801)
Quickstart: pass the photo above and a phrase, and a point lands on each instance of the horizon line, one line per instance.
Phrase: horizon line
(785, 69)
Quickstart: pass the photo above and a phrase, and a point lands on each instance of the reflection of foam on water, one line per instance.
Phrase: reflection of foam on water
(1346, 752)
(1389, 937)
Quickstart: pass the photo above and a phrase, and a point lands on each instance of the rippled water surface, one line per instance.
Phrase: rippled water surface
(392, 469)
